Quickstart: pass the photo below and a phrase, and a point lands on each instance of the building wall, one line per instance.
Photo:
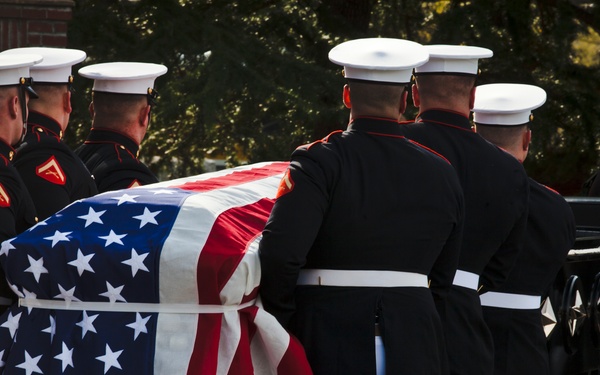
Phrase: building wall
(34, 23)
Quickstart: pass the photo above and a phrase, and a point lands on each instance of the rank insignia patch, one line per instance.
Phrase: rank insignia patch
(51, 171)
(4, 198)
(286, 185)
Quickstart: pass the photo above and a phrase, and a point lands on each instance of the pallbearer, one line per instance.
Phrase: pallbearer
(17, 212)
(362, 219)
(54, 175)
(495, 187)
(123, 96)
(502, 115)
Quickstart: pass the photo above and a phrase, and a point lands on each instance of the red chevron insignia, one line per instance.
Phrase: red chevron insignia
(51, 171)
(286, 185)
(4, 198)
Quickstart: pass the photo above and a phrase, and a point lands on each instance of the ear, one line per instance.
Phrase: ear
(415, 96)
(346, 97)
(472, 97)
(14, 106)
(91, 109)
(403, 99)
(526, 140)
(67, 102)
(144, 115)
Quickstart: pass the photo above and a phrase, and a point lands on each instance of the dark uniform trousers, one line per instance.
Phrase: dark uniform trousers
(111, 157)
(364, 199)
(496, 190)
(17, 213)
(519, 339)
(53, 174)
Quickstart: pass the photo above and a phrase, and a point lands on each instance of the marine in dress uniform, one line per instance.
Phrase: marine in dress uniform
(53, 174)
(17, 212)
(123, 95)
(363, 218)
(495, 188)
(512, 311)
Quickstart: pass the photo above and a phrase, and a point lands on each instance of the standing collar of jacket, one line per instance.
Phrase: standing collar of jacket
(376, 125)
(110, 136)
(48, 123)
(6, 151)
(445, 117)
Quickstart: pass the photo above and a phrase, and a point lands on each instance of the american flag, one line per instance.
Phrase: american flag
(159, 279)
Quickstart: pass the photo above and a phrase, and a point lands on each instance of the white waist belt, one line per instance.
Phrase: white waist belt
(370, 278)
(174, 308)
(510, 300)
(466, 279)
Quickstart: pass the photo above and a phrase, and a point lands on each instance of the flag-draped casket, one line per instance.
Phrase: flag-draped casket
(159, 279)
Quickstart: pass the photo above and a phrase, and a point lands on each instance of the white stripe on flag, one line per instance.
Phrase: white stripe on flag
(207, 176)
(271, 341)
(231, 331)
(177, 275)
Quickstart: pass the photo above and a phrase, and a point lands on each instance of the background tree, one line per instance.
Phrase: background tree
(249, 81)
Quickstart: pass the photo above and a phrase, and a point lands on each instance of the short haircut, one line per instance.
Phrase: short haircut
(374, 96)
(50, 92)
(502, 135)
(440, 87)
(105, 102)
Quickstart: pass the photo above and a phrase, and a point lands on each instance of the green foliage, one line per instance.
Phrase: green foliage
(249, 81)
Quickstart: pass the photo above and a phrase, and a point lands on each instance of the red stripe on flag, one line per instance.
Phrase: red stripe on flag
(206, 349)
(226, 244)
(235, 178)
(294, 360)
(242, 360)
(225, 247)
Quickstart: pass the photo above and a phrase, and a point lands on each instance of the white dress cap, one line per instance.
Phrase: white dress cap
(506, 103)
(123, 77)
(56, 66)
(453, 59)
(15, 67)
(379, 59)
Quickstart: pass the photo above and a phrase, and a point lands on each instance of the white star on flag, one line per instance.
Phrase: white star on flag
(163, 191)
(36, 267)
(92, 217)
(136, 262)
(67, 295)
(87, 324)
(82, 262)
(30, 365)
(112, 237)
(110, 359)
(2, 363)
(66, 357)
(113, 294)
(147, 217)
(51, 329)
(6, 247)
(139, 325)
(125, 198)
(58, 236)
(12, 323)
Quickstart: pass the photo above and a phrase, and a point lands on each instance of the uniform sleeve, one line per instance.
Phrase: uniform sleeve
(49, 193)
(291, 229)
(500, 265)
(444, 268)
